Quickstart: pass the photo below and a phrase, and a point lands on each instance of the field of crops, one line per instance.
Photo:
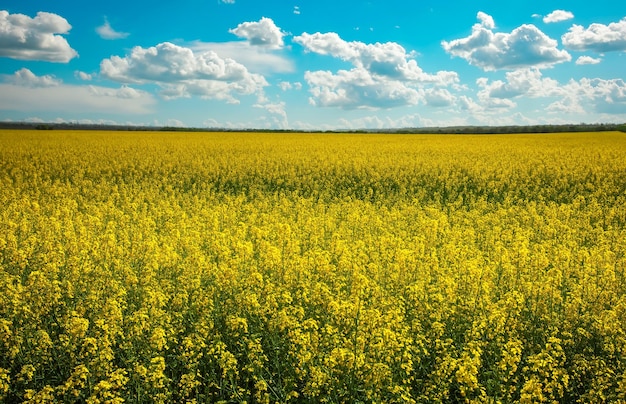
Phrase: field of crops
(200, 267)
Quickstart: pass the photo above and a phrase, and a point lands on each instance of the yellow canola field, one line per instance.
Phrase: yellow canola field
(147, 267)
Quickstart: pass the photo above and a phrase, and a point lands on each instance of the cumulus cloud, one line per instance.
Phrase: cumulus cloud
(39, 38)
(107, 32)
(167, 62)
(286, 85)
(381, 59)
(384, 75)
(182, 73)
(575, 98)
(597, 37)
(486, 20)
(558, 16)
(261, 52)
(587, 60)
(525, 46)
(261, 33)
(438, 97)
(488, 102)
(278, 111)
(567, 105)
(524, 82)
(612, 91)
(255, 58)
(357, 88)
(468, 104)
(328, 44)
(599, 95)
(83, 76)
(24, 77)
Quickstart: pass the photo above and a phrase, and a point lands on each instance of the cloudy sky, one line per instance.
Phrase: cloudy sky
(313, 64)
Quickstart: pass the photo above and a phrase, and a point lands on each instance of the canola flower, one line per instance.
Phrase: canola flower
(238, 267)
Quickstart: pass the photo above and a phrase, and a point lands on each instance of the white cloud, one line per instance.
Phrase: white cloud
(227, 1)
(84, 121)
(357, 88)
(211, 123)
(486, 20)
(492, 113)
(296, 10)
(494, 103)
(175, 123)
(83, 76)
(78, 99)
(260, 53)
(124, 92)
(373, 122)
(167, 62)
(411, 121)
(384, 74)
(367, 122)
(381, 59)
(277, 109)
(558, 16)
(574, 97)
(598, 95)
(257, 59)
(611, 91)
(468, 104)
(259, 123)
(107, 32)
(207, 89)
(524, 82)
(587, 60)
(286, 85)
(597, 37)
(525, 46)
(438, 97)
(519, 84)
(329, 44)
(26, 78)
(182, 73)
(26, 38)
(566, 105)
(274, 108)
(262, 33)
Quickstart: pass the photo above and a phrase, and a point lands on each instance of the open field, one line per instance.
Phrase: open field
(173, 267)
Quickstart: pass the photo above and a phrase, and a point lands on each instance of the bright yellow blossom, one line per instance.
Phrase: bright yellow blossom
(240, 267)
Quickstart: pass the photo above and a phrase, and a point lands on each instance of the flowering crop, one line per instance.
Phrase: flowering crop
(238, 267)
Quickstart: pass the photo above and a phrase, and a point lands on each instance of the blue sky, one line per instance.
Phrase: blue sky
(313, 64)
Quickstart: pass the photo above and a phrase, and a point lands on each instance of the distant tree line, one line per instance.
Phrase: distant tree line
(581, 127)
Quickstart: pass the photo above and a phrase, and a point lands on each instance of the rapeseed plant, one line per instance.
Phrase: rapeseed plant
(237, 267)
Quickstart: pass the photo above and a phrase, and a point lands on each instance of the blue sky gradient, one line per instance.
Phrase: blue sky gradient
(313, 65)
